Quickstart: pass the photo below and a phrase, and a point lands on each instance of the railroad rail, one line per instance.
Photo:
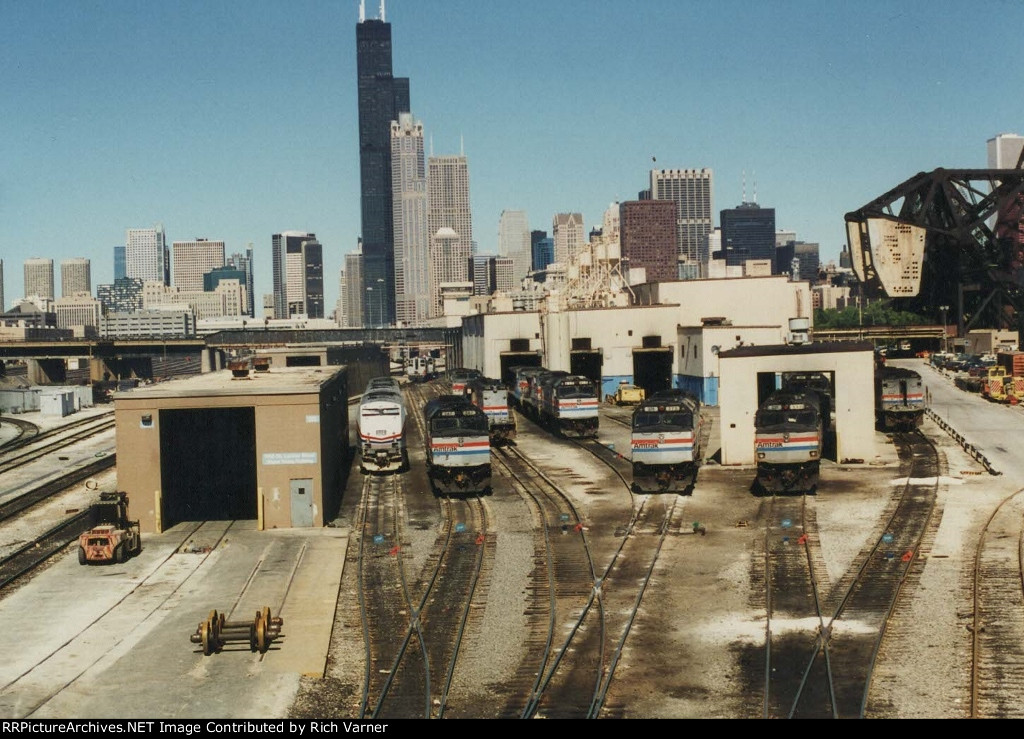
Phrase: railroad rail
(833, 677)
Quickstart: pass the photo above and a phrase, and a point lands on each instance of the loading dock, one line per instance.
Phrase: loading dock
(270, 446)
(212, 480)
(652, 369)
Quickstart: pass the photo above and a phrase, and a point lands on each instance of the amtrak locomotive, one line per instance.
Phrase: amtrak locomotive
(458, 446)
(788, 438)
(382, 417)
(665, 443)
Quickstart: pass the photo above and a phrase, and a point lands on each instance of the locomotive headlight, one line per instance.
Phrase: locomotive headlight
(813, 455)
(760, 455)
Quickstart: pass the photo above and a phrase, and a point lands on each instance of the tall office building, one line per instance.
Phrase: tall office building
(146, 256)
(567, 232)
(647, 235)
(479, 267)
(124, 295)
(354, 289)
(514, 241)
(542, 250)
(119, 266)
(39, 278)
(690, 190)
(411, 237)
(748, 232)
(298, 275)
(449, 223)
(382, 97)
(192, 260)
(502, 275)
(75, 277)
(243, 263)
(1004, 151)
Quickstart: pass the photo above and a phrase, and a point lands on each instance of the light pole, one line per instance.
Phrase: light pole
(945, 332)
(380, 299)
(369, 305)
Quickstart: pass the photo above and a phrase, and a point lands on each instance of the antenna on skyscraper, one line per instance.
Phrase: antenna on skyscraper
(382, 10)
(462, 146)
(362, 10)
(744, 199)
(755, 186)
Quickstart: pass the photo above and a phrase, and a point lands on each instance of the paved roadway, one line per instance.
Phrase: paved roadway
(995, 429)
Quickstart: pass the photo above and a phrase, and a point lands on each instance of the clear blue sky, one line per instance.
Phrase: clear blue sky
(234, 120)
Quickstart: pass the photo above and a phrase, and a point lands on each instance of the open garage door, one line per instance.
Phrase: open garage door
(652, 369)
(588, 364)
(516, 359)
(208, 464)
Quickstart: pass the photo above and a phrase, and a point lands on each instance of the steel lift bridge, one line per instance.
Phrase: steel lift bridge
(951, 237)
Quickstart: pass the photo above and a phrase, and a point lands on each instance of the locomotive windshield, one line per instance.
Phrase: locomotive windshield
(576, 390)
(666, 421)
(458, 423)
(771, 418)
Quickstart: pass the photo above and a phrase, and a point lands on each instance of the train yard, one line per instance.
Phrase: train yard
(564, 594)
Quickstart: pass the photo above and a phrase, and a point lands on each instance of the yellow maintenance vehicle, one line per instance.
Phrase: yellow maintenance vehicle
(626, 394)
(993, 386)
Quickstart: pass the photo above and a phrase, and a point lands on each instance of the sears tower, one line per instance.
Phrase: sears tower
(381, 98)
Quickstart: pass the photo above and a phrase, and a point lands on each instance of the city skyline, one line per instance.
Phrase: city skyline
(812, 110)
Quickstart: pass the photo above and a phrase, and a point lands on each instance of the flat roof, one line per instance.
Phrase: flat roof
(770, 350)
(279, 381)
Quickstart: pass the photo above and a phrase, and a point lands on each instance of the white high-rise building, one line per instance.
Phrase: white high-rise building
(514, 241)
(569, 237)
(146, 255)
(39, 278)
(690, 189)
(409, 204)
(449, 223)
(75, 277)
(353, 290)
(192, 260)
(1004, 151)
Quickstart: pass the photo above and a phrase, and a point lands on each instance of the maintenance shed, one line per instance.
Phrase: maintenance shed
(269, 446)
(748, 374)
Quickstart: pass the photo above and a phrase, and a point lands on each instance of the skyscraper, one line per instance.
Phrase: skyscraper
(1004, 151)
(567, 232)
(690, 190)
(75, 277)
(647, 234)
(748, 232)
(542, 250)
(354, 289)
(146, 255)
(409, 198)
(449, 223)
(298, 275)
(119, 266)
(382, 97)
(192, 260)
(39, 278)
(243, 263)
(514, 241)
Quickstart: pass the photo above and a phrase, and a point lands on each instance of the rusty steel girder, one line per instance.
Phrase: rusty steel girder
(969, 222)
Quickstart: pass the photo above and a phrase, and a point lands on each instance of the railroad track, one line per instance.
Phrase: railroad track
(414, 623)
(27, 431)
(997, 620)
(77, 434)
(158, 591)
(826, 671)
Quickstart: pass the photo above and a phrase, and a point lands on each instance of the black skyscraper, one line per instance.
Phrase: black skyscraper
(381, 98)
(748, 232)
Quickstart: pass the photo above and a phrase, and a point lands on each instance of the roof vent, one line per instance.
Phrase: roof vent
(262, 364)
(239, 368)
